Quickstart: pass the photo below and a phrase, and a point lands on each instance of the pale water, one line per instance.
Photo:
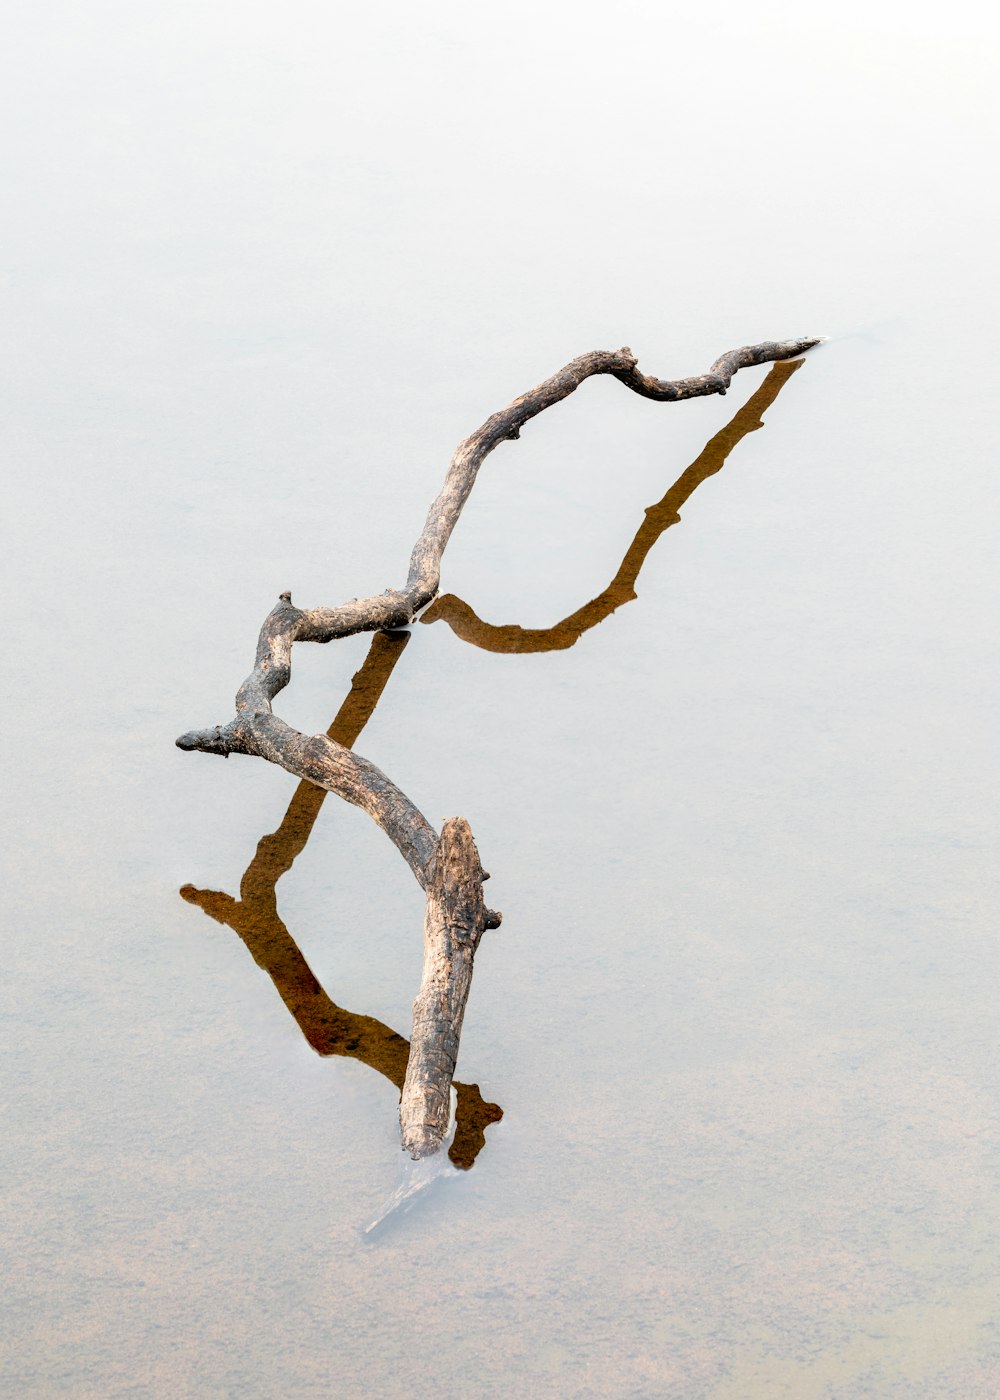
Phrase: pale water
(264, 270)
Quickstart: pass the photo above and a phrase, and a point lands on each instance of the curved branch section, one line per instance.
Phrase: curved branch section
(449, 869)
(321, 760)
(326, 763)
(286, 624)
(327, 1027)
(424, 576)
(454, 921)
(510, 637)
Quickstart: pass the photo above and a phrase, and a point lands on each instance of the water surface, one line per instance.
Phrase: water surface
(714, 683)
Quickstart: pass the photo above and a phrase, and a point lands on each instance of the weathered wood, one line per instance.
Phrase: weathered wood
(510, 637)
(254, 730)
(456, 904)
(254, 917)
(454, 919)
(319, 759)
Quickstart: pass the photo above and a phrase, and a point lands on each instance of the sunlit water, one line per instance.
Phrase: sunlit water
(727, 1116)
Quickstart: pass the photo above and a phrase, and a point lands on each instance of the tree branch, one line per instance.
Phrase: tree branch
(255, 730)
(456, 915)
(510, 637)
(254, 917)
(454, 921)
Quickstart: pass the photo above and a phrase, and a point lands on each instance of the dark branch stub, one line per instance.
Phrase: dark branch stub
(447, 868)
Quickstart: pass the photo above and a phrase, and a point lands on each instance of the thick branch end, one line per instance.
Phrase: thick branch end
(454, 921)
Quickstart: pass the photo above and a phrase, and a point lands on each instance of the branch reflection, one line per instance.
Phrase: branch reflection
(467, 625)
(254, 917)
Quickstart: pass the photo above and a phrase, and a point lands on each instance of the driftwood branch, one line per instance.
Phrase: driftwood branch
(509, 637)
(454, 920)
(321, 760)
(254, 917)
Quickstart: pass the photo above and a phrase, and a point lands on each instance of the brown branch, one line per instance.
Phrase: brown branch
(454, 921)
(329, 1028)
(277, 851)
(255, 729)
(466, 623)
(254, 917)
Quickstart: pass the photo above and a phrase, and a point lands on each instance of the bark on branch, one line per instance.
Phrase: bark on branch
(446, 868)
(349, 775)
(510, 637)
(454, 920)
(254, 917)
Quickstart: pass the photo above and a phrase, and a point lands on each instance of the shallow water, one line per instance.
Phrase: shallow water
(727, 1115)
